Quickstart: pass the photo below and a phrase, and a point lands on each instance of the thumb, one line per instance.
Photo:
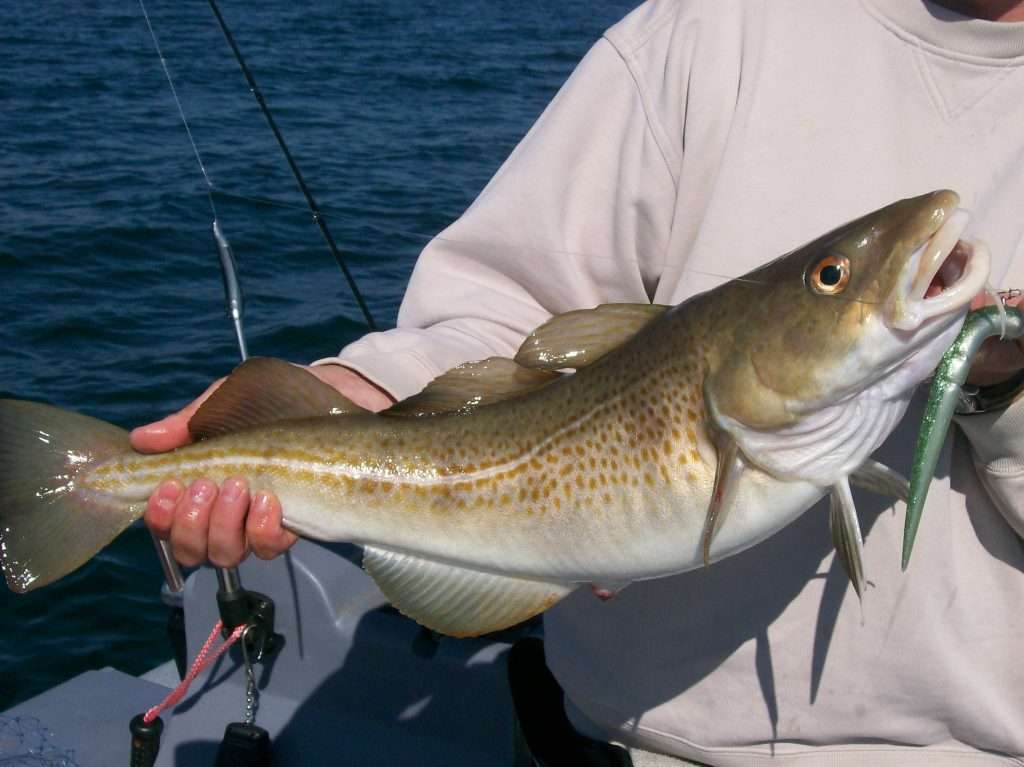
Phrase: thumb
(170, 431)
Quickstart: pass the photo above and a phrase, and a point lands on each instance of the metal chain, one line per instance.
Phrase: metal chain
(251, 692)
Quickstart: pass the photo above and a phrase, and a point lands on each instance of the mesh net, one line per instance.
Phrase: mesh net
(25, 742)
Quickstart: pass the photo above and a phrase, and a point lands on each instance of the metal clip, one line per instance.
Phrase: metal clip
(1009, 293)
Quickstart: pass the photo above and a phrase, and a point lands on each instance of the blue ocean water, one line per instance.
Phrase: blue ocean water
(398, 112)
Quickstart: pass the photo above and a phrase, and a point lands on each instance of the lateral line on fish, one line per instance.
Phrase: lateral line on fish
(321, 466)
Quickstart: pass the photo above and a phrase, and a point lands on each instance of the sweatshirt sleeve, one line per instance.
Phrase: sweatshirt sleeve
(580, 214)
(997, 445)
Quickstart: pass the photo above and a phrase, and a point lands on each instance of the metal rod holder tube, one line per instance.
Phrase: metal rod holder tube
(228, 580)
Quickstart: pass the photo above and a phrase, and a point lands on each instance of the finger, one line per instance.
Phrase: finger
(226, 545)
(191, 523)
(267, 538)
(359, 389)
(171, 431)
(995, 362)
(159, 514)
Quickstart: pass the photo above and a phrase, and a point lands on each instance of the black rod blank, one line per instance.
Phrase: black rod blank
(310, 200)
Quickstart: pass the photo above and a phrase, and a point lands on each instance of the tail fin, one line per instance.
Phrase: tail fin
(49, 524)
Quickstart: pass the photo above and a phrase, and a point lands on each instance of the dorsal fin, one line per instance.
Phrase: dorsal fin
(879, 478)
(578, 338)
(262, 390)
(472, 385)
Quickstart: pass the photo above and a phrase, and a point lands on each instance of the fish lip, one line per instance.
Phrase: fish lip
(963, 262)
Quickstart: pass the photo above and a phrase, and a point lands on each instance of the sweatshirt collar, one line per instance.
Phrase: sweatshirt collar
(945, 30)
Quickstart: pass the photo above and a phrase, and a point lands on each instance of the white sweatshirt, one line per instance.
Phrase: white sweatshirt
(695, 141)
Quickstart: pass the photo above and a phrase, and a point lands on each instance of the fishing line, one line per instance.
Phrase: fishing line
(181, 110)
(145, 741)
(518, 250)
(999, 302)
(313, 206)
(425, 238)
(223, 246)
(224, 251)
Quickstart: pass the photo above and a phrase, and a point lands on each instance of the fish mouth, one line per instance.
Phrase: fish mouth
(941, 276)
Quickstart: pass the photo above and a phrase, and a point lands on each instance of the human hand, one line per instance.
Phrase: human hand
(996, 361)
(222, 525)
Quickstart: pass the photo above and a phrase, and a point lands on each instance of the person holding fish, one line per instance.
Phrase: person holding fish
(693, 144)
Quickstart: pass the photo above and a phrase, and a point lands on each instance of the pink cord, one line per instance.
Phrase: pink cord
(198, 665)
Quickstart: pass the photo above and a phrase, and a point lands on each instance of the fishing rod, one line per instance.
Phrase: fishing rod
(249, 612)
(310, 200)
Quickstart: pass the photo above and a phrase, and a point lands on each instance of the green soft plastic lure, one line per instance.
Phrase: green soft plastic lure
(945, 393)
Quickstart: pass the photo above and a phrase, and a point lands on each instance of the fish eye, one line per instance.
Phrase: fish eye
(830, 275)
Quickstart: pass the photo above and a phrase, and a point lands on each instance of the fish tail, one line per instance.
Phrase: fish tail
(50, 522)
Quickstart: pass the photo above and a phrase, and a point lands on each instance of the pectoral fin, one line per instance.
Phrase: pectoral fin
(454, 600)
(846, 536)
(727, 477)
(880, 479)
(578, 338)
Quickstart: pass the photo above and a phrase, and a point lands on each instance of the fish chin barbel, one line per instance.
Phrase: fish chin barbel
(946, 392)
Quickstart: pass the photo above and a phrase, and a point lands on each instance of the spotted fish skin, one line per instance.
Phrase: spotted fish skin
(478, 512)
(604, 475)
(596, 459)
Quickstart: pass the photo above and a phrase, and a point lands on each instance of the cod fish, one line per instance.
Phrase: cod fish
(685, 434)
